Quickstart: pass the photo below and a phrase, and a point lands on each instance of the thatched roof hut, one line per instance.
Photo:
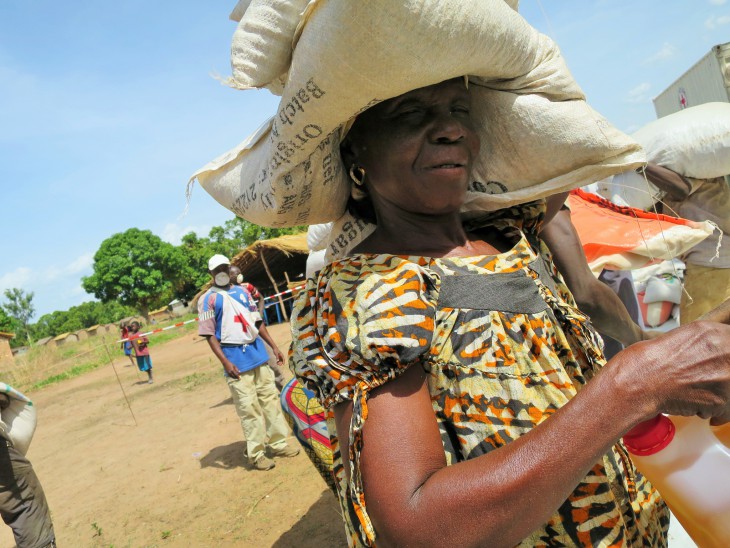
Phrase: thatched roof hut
(66, 338)
(44, 341)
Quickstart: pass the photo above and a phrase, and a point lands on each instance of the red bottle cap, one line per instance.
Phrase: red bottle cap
(649, 437)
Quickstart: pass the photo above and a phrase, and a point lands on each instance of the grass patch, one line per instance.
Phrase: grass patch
(68, 374)
(190, 382)
(44, 366)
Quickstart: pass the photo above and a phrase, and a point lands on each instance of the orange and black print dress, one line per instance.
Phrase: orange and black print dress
(504, 347)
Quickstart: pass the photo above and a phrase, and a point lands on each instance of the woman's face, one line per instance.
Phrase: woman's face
(417, 149)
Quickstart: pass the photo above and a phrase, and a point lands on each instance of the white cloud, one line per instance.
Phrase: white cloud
(17, 278)
(716, 21)
(665, 52)
(174, 232)
(717, 2)
(79, 264)
(638, 94)
(79, 291)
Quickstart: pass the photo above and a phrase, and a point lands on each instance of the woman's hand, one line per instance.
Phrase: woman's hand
(685, 372)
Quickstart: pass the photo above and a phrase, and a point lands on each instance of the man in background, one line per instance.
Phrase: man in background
(237, 279)
(228, 320)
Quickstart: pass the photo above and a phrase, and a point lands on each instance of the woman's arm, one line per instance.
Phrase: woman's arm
(499, 498)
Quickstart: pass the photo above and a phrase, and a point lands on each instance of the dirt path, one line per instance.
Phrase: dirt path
(178, 478)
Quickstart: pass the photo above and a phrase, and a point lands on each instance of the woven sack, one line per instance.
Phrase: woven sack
(261, 47)
(694, 142)
(538, 135)
(18, 420)
(238, 11)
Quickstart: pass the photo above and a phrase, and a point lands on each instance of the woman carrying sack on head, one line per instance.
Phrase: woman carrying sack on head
(468, 400)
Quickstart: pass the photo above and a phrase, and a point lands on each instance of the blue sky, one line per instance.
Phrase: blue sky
(107, 108)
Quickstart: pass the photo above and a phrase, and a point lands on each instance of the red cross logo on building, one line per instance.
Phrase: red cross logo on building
(682, 99)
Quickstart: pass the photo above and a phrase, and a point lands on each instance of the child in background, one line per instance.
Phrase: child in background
(141, 350)
(126, 345)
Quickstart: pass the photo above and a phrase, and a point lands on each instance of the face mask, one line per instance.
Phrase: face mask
(222, 279)
(239, 279)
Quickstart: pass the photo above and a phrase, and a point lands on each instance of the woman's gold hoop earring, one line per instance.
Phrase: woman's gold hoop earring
(360, 171)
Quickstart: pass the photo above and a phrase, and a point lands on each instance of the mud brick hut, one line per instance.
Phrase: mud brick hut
(6, 354)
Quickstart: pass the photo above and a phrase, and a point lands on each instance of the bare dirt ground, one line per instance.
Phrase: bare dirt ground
(177, 478)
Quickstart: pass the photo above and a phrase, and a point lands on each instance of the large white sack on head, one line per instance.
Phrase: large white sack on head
(538, 135)
(18, 421)
(629, 189)
(238, 11)
(694, 142)
(262, 44)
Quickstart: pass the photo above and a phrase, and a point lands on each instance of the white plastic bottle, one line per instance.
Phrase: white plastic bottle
(688, 461)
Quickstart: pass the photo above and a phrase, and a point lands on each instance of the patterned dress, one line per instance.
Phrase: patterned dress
(503, 346)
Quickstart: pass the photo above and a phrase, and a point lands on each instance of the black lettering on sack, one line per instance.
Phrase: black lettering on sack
(341, 241)
(324, 143)
(330, 168)
(349, 229)
(268, 200)
(288, 180)
(301, 140)
(360, 224)
(286, 150)
(314, 89)
(305, 194)
(312, 131)
(303, 217)
(263, 176)
(287, 204)
(288, 112)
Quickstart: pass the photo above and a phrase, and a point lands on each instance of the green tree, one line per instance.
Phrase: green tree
(80, 317)
(19, 306)
(7, 324)
(240, 233)
(229, 239)
(135, 268)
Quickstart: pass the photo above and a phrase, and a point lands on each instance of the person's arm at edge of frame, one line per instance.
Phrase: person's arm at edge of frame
(415, 499)
(608, 314)
(215, 346)
(672, 183)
